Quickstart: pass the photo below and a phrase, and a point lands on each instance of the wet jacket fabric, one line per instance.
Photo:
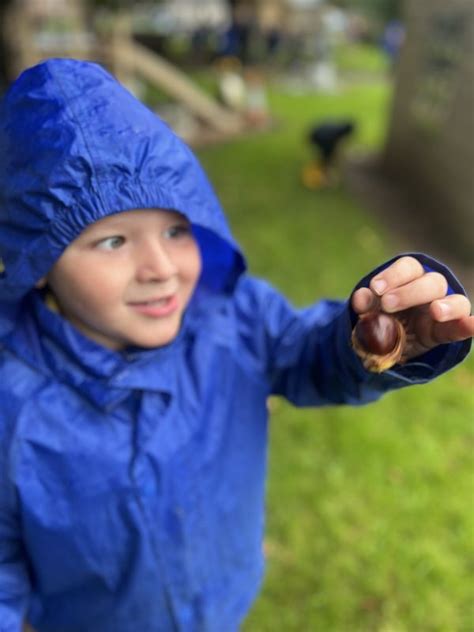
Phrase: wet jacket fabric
(132, 484)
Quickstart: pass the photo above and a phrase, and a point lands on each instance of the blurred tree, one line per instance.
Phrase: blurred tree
(116, 5)
(384, 10)
(5, 43)
(111, 5)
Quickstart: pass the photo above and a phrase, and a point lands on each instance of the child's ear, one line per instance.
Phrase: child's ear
(39, 285)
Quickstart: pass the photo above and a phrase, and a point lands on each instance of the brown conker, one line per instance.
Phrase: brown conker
(379, 340)
(377, 333)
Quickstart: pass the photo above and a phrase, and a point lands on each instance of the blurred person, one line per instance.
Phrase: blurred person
(256, 104)
(137, 355)
(273, 42)
(232, 90)
(392, 40)
(326, 138)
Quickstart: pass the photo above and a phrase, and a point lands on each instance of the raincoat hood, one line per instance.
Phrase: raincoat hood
(76, 146)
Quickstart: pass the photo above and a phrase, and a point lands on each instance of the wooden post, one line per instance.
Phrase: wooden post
(112, 36)
(19, 33)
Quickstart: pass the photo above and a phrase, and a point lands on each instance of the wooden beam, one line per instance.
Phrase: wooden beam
(138, 59)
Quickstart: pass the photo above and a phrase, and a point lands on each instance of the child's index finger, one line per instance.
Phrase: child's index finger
(401, 272)
(364, 300)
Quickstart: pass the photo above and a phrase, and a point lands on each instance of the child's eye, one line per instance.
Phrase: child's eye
(111, 243)
(180, 230)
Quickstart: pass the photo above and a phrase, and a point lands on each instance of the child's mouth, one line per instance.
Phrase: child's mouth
(156, 308)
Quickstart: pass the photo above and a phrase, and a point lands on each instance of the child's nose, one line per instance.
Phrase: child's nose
(154, 263)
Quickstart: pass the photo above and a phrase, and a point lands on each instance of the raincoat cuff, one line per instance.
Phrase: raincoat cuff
(427, 366)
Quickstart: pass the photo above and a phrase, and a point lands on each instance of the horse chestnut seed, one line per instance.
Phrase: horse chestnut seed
(377, 333)
(379, 339)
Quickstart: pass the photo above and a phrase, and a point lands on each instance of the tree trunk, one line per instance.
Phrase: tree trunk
(6, 52)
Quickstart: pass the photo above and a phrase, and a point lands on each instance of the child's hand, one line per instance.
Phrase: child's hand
(419, 300)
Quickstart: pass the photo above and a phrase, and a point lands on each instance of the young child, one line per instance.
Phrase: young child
(136, 359)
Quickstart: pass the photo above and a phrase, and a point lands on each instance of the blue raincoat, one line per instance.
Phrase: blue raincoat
(132, 483)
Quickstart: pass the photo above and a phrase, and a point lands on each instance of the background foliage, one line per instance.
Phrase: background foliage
(380, 9)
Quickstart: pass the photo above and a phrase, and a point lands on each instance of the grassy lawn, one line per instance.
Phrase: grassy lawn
(370, 510)
(363, 59)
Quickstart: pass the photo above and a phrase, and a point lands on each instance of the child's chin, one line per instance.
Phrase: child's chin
(153, 342)
(155, 345)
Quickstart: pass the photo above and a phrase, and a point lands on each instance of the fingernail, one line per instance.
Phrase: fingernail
(443, 309)
(379, 286)
(390, 301)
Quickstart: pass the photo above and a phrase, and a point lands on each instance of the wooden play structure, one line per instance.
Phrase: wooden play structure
(112, 45)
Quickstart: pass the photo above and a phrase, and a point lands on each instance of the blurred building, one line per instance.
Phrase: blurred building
(430, 144)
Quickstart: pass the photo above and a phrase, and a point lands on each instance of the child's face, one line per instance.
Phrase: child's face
(127, 279)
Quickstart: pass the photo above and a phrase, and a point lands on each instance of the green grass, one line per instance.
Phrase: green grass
(370, 510)
(290, 233)
(362, 59)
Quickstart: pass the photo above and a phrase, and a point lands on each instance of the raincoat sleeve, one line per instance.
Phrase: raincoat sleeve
(307, 354)
(14, 579)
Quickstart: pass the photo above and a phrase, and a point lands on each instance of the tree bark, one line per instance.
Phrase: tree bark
(6, 52)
